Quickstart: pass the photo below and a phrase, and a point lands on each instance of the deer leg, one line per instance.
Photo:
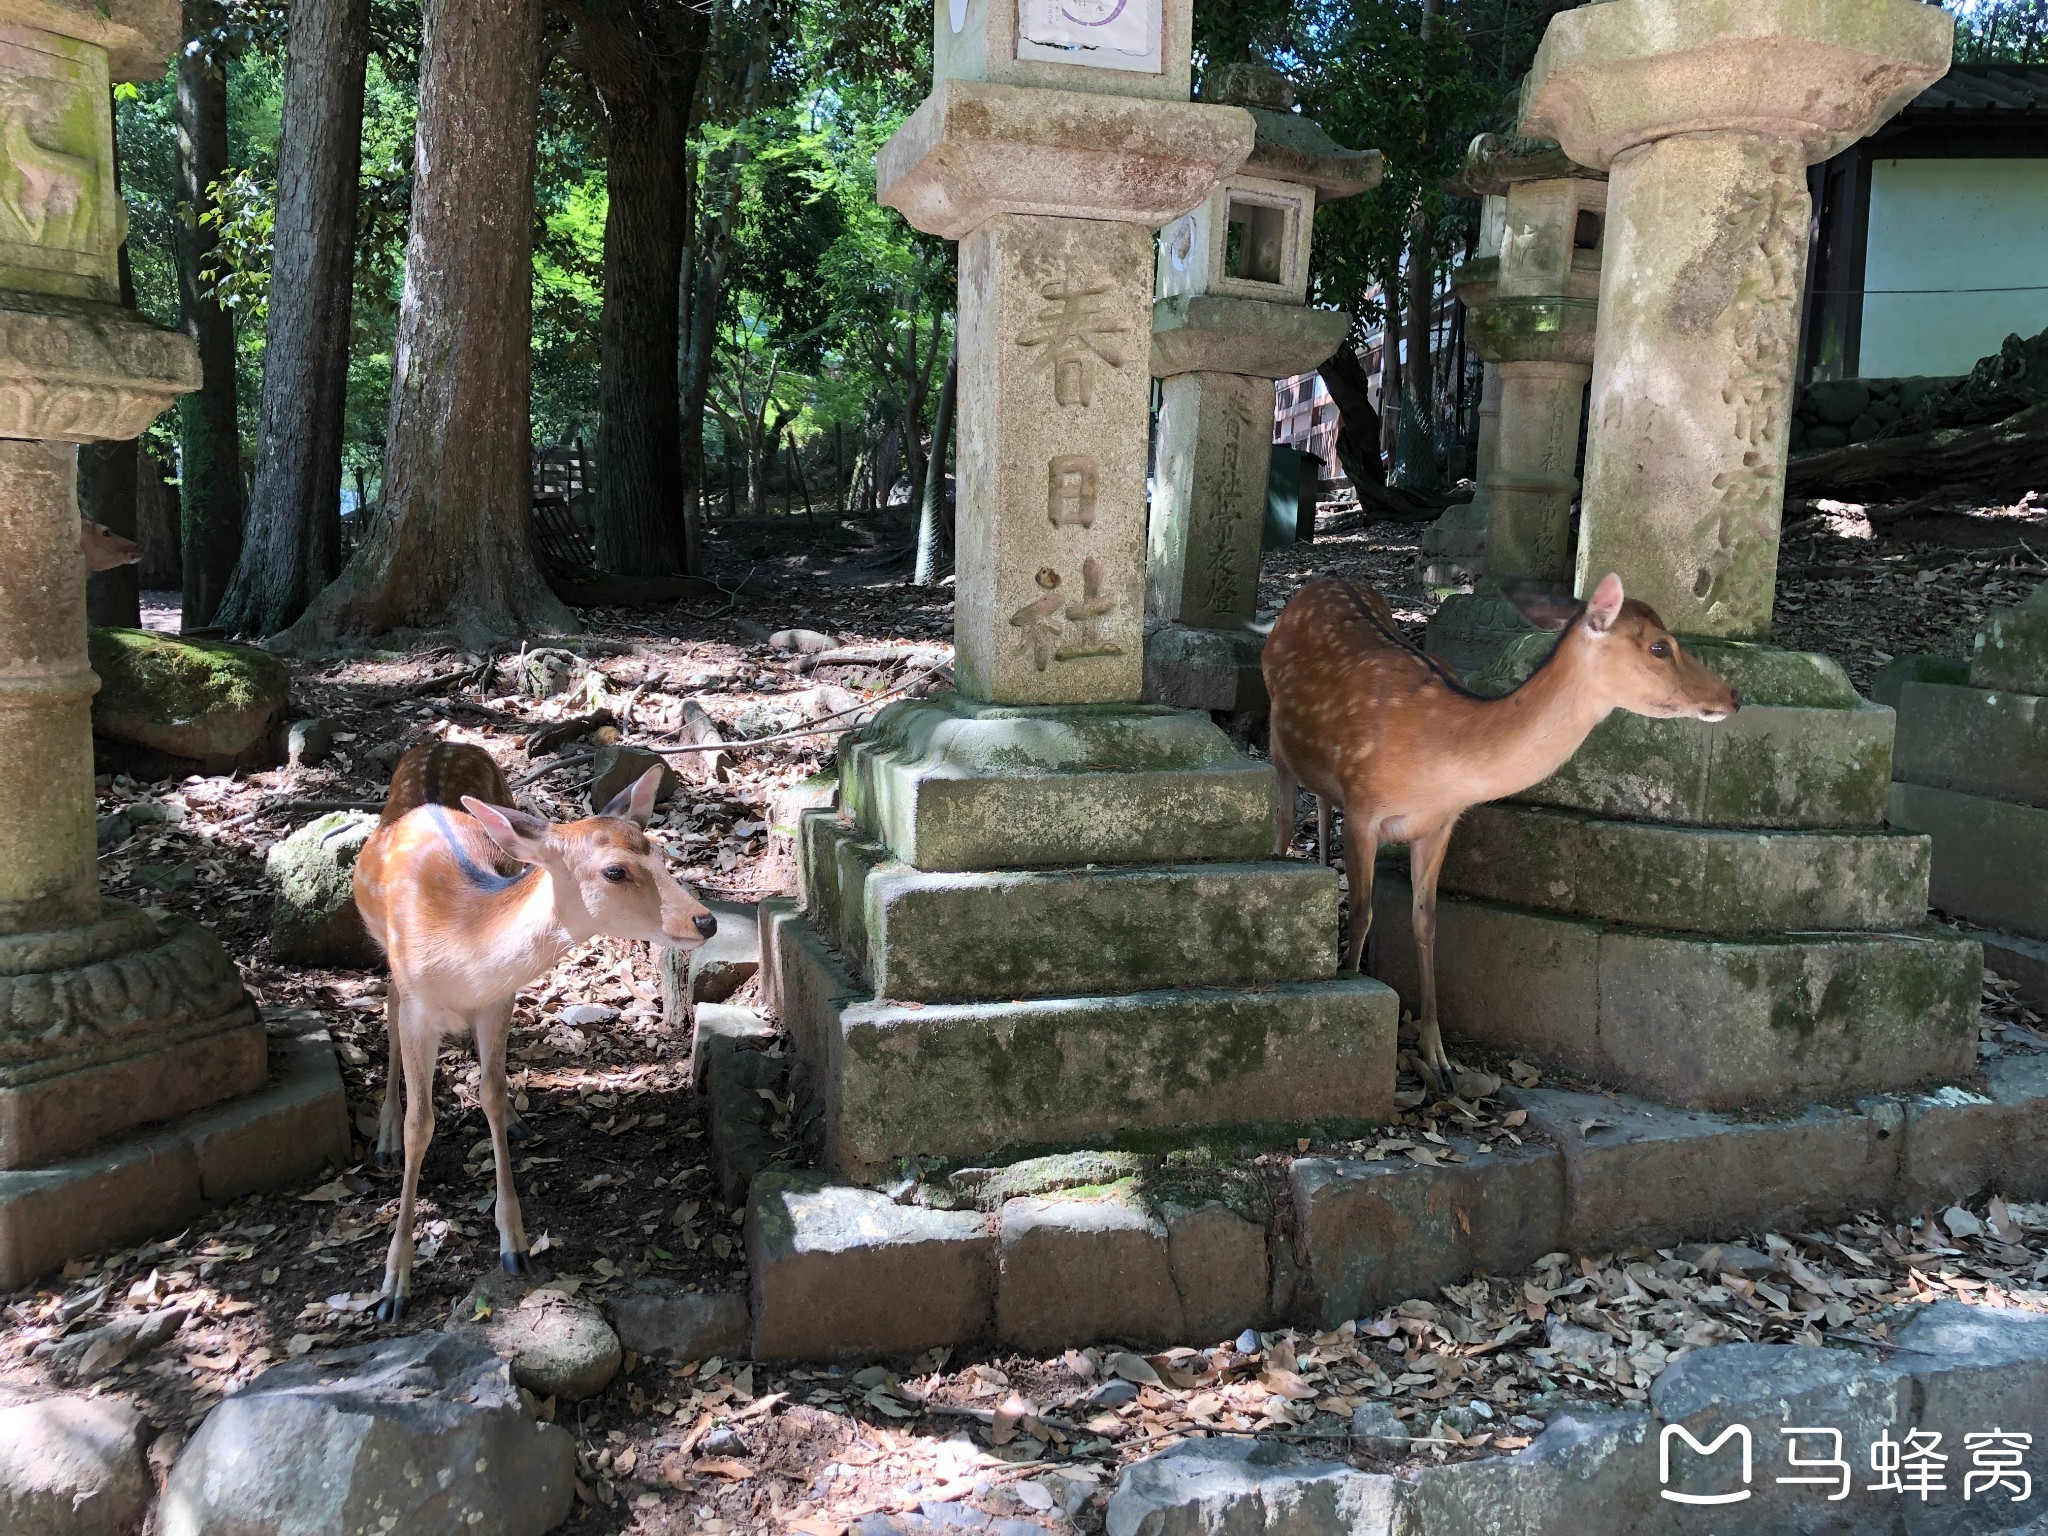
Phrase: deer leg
(1325, 809)
(1286, 805)
(390, 1139)
(1426, 862)
(417, 1045)
(491, 1030)
(1361, 851)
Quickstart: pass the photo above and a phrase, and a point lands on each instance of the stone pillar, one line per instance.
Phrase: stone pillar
(1715, 915)
(1041, 912)
(111, 1017)
(1533, 322)
(1453, 548)
(1232, 317)
(1705, 117)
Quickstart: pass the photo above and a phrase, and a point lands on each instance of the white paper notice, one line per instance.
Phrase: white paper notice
(1103, 34)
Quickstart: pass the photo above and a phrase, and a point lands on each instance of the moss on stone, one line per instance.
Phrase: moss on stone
(173, 679)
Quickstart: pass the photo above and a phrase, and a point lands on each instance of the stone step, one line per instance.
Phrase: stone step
(152, 1182)
(964, 1080)
(2018, 959)
(914, 935)
(1699, 879)
(1973, 740)
(1990, 856)
(1703, 1020)
(732, 1061)
(1175, 1247)
(949, 785)
(715, 969)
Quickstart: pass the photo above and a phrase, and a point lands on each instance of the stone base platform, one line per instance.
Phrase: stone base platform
(155, 1180)
(1469, 629)
(958, 1080)
(1990, 856)
(1191, 1246)
(1712, 1021)
(1216, 670)
(2018, 959)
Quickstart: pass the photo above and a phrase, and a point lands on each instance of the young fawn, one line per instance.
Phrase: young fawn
(1370, 724)
(471, 899)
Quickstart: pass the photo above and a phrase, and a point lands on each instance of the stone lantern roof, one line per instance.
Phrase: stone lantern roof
(140, 36)
(1290, 147)
(1496, 162)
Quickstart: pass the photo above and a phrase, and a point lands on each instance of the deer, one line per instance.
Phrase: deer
(105, 549)
(471, 899)
(1376, 727)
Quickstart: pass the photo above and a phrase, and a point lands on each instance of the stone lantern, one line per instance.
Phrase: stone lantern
(1231, 317)
(1041, 911)
(1711, 914)
(111, 1017)
(1452, 549)
(1532, 306)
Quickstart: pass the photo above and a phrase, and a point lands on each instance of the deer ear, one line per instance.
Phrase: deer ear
(1540, 605)
(1604, 606)
(635, 803)
(519, 833)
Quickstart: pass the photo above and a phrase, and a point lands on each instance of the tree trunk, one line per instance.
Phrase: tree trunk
(929, 510)
(209, 438)
(453, 546)
(156, 525)
(1390, 373)
(1358, 424)
(1415, 444)
(291, 547)
(642, 501)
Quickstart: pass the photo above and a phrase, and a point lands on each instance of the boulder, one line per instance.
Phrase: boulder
(1837, 402)
(423, 1435)
(619, 768)
(201, 701)
(73, 1466)
(1377, 1428)
(558, 1346)
(315, 921)
(661, 1319)
(1248, 1488)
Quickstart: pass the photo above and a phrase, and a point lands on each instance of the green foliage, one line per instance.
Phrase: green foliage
(2000, 31)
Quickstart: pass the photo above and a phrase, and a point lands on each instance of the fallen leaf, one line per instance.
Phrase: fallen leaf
(334, 1189)
(737, 1471)
(1132, 1368)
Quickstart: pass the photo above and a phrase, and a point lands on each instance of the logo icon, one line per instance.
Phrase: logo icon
(1738, 1432)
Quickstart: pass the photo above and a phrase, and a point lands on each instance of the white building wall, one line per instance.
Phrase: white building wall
(1957, 261)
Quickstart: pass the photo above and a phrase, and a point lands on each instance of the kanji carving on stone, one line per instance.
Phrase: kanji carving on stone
(1086, 614)
(1075, 328)
(1070, 490)
(1040, 618)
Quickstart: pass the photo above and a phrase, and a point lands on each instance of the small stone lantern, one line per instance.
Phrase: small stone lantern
(1533, 305)
(1231, 317)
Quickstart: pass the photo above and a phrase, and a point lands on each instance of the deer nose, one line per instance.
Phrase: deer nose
(1734, 700)
(707, 924)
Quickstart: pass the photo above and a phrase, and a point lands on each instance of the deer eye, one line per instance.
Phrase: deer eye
(1661, 649)
(615, 873)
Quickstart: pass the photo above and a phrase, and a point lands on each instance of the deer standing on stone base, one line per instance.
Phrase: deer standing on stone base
(1372, 725)
(472, 899)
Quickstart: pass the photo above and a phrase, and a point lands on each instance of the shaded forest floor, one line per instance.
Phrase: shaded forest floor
(618, 1185)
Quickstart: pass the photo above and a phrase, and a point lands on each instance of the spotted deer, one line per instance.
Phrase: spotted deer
(1391, 736)
(471, 899)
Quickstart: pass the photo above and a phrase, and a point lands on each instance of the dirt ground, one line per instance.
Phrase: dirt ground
(617, 1185)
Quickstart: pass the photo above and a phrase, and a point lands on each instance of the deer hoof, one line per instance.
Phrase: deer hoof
(519, 1130)
(517, 1263)
(391, 1309)
(388, 1159)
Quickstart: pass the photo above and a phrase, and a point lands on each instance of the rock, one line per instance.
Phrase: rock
(618, 769)
(558, 1346)
(385, 754)
(423, 1435)
(1818, 438)
(1864, 428)
(1377, 1428)
(201, 701)
(726, 961)
(73, 1466)
(1837, 402)
(315, 921)
(309, 742)
(660, 1319)
(1113, 1394)
(725, 1442)
(804, 642)
(544, 673)
(88, 1356)
(1246, 1488)
(587, 1015)
(1714, 1258)
(114, 827)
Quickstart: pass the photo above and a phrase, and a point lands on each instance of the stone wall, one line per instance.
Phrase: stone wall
(1832, 412)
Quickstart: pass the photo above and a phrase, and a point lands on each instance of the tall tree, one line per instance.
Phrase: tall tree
(1415, 445)
(926, 571)
(643, 58)
(291, 546)
(210, 438)
(452, 546)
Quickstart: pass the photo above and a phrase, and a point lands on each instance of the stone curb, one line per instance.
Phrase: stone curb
(155, 1181)
(1960, 1371)
(840, 1270)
